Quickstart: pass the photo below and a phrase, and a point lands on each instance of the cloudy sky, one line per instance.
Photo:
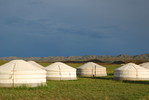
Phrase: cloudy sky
(73, 27)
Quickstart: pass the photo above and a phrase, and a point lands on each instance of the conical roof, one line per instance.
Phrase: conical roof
(130, 66)
(90, 65)
(35, 64)
(59, 66)
(19, 65)
(145, 65)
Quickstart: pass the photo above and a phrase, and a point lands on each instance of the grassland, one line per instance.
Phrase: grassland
(100, 88)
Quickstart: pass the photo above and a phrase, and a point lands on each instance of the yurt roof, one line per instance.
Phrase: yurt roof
(19, 65)
(89, 65)
(131, 66)
(59, 66)
(145, 65)
(35, 64)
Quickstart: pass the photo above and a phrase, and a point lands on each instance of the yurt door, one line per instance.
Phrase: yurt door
(93, 71)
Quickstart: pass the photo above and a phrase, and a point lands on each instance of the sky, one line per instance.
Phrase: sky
(41, 28)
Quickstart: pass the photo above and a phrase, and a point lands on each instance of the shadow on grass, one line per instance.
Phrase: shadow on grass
(136, 82)
(108, 77)
(104, 78)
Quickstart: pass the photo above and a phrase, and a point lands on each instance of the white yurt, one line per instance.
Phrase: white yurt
(36, 64)
(60, 71)
(91, 69)
(131, 71)
(145, 65)
(18, 73)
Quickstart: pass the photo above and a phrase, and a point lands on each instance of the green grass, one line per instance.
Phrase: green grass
(83, 89)
(104, 88)
(2, 62)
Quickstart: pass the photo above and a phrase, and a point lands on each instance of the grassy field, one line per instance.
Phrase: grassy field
(100, 88)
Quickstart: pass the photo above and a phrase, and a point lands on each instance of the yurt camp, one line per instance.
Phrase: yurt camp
(36, 64)
(131, 71)
(17, 73)
(145, 65)
(91, 69)
(60, 71)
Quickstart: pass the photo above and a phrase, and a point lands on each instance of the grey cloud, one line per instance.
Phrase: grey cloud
(35, 1)
(78, 25)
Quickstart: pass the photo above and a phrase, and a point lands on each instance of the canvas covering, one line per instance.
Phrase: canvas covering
(91, 69)
(145, 65)
(60, 71)
(131, 71)
(21, 73)
(36, 64)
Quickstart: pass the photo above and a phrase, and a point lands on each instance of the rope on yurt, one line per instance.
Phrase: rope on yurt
(95, 72)
(13, 74)
(70, 75)
(92, 72)
(60, 74)
(136, 72)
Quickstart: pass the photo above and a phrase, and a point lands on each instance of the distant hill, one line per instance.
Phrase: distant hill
(102, 59)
